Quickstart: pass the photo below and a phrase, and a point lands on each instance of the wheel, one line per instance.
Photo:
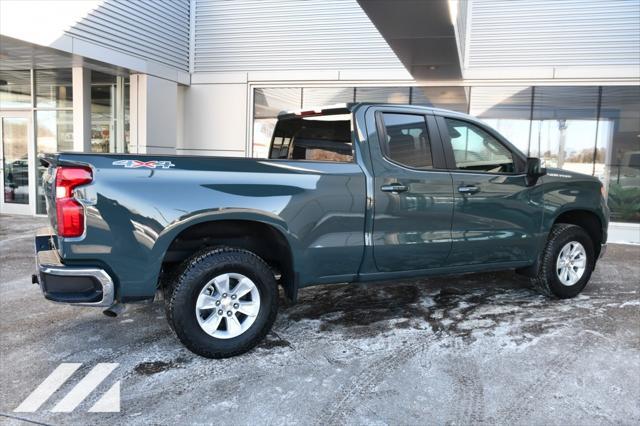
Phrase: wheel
(566, 263)
(224, 301)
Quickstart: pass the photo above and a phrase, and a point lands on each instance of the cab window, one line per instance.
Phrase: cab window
(407, 141)
(316, 138)
(476, 150)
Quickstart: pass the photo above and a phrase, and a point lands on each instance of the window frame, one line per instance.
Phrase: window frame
(519, 159)
(435, 143)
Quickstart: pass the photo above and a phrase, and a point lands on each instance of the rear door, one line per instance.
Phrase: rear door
(413, 195)
(496, 216)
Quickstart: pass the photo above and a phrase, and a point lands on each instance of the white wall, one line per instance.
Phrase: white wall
(215, 120)
(553, 39)
(150, 37)
(154, 115)
(286, 35)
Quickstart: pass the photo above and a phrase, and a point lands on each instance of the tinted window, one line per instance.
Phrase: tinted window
(407, 141)
(324, 138)
(475, 149)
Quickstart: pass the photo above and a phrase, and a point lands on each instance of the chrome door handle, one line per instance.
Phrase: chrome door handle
(468, 189)
(393, 187)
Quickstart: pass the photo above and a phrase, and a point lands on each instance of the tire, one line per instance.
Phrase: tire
(191, 306)
(548, 278)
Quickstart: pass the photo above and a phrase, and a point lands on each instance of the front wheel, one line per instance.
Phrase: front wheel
(223, 302)
(566, 263)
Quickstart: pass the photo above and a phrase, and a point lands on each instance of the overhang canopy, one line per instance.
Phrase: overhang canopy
(421, 34)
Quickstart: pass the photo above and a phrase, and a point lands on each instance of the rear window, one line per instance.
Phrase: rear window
(316, 138)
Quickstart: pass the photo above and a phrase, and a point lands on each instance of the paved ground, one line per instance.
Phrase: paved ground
(459, 350)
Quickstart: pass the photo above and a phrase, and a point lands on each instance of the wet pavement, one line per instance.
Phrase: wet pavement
(470, 349)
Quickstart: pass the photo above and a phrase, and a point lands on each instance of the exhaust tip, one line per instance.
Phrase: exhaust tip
(114, 310)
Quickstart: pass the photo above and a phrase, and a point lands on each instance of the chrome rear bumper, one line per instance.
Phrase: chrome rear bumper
(75, 285)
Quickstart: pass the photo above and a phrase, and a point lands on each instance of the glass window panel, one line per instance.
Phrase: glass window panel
(476, 150)
(262, 132)
(269, 102)
(54, 88)
(506, 109)
(15, 89)
(390, 95)
(103, 94)
(54, 133)
(618, 154)
(316, 138)
(408, 140)
(323, 96)
(563, 131)
(15, 160)
(452, 98)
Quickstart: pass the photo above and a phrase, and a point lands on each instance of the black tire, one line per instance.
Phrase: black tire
(546, 280)
(195, 274)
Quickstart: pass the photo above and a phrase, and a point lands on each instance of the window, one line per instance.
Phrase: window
(475, 149)
(15, 89)
(407, 141)
(506, 109)
(317, 138)
(563, 130)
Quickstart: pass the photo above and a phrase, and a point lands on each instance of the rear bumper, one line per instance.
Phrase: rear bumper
(83, 286)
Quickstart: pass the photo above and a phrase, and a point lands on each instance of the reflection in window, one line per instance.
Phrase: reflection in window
(563, 131)
(387, 95)
(262, 132)
(109, 121)
(452, 98)
(15, 159)
(54, 132)
(506, 109)
(54, 88)
(15, 89)
(407, 140)
(476, 150)
(323, 96)
(270, 102)
(618, 162)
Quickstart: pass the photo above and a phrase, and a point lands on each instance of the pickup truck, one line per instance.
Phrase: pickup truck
(349, 193)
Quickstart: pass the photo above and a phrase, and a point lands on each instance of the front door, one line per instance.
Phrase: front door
(412, 192)
(497, 216)
(17, 154)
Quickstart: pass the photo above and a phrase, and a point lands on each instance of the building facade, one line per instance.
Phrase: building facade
(559, 78)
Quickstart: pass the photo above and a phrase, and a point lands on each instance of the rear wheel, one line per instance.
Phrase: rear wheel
(566, 263)
(223, 302)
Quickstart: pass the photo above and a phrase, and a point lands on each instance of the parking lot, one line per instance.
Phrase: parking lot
(470, 349)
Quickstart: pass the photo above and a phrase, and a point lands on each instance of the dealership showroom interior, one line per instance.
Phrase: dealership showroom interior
(380, 211)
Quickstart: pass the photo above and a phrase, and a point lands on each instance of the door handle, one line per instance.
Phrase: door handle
(468, 189)
(393, 187)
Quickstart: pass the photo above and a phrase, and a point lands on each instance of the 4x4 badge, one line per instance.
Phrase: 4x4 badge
(135, 164)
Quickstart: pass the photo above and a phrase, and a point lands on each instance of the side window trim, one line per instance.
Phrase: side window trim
(448, 147)
(437, 150)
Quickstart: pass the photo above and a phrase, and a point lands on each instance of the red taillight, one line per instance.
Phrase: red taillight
(70, 212)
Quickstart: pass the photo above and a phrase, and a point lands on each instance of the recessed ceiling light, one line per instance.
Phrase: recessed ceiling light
(433, 67)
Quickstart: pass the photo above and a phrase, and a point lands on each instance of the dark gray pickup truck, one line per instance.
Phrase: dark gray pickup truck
(350, 193)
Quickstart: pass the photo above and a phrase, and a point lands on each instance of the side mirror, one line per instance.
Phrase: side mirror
(534, 170)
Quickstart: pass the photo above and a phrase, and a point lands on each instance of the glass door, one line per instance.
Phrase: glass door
(17, 154)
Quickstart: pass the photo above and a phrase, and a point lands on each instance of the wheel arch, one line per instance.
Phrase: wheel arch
(587, 220)
(263, 234)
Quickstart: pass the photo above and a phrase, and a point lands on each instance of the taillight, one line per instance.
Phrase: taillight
(70, 212)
